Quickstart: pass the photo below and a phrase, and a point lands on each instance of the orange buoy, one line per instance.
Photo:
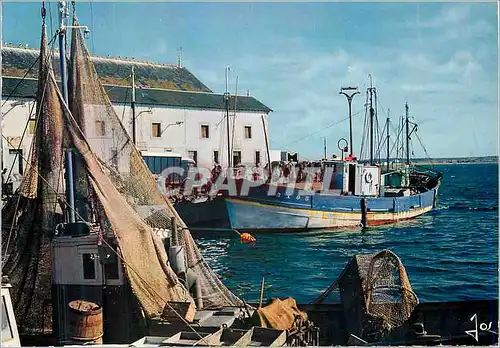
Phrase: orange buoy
(247, 238)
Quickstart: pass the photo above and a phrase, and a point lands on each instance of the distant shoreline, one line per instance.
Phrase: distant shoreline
(445, 163)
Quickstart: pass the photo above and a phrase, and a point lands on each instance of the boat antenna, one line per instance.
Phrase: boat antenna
(388, 137)
(349, 92)
(226, 100)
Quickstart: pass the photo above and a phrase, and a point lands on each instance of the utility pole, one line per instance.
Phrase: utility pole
(324, 146)
(226, 99)
(407, 135)
(133, 108)
(388, 136)
(349, 92)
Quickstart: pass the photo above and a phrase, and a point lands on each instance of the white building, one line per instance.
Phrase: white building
(174, 112)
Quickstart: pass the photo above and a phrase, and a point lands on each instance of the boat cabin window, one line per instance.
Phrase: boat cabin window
(111, 267)
(88, 266)
(6, 329)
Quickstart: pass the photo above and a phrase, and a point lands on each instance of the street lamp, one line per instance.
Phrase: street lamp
(178, 123)
(349, 92)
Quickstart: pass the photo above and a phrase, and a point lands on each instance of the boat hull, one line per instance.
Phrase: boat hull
(276, 209)
(322, 212)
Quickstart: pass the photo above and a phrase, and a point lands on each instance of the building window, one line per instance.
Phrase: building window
(88, 266)
(216, 156)
(156, 130)
(31, 126)
(248, 132)
(236, 158)
(204, 132)
(18, 156)
(6, 329)
(257, 157)
(193, 155)
(100, 128)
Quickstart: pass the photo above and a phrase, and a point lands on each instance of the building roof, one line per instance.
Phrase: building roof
(18, 88)
(114, 71)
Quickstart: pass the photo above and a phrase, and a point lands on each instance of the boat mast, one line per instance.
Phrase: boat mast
(388, 136)
(372, 113)
(63, 14)
(1, 112)
(407, 135)
(70, 189)
(133, 107)
(226, 99)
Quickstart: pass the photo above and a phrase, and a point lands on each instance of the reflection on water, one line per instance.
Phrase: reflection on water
(449, 254)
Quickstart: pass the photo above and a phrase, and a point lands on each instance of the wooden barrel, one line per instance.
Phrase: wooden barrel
(85, 320)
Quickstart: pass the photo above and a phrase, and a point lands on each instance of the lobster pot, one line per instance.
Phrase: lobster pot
(376, 295)
(86, 324)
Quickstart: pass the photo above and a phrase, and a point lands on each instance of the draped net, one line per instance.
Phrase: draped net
(114, 190)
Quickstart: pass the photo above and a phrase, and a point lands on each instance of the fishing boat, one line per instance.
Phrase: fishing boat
(341, 193)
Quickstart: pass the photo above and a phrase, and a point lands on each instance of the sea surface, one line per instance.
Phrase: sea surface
(450, 254)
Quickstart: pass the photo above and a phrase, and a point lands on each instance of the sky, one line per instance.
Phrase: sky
(294, 57)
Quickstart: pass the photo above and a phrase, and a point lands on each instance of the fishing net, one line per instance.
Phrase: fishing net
(30, 216)
(114, 190)
(375, 293)
(128, 174)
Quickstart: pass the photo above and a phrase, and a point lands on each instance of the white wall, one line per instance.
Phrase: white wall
(187, 136)
(14, 122)
(178, 138)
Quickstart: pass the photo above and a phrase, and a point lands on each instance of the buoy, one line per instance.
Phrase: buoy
(247, 238)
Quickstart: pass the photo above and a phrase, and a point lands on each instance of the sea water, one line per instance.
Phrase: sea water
(450, 254)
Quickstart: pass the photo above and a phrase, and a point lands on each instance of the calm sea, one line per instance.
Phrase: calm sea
(450, 254)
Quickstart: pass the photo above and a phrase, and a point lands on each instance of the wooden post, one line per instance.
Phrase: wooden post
(173, 233)
(261, 292)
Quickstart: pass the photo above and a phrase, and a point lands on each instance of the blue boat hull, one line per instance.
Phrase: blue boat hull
(318, 211)
(260, 211)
